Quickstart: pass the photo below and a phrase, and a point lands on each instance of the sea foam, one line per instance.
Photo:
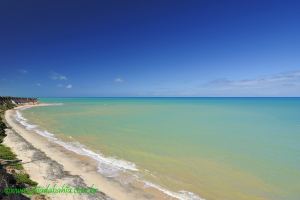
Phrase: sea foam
(182, 195)
(24, 122)
(107, 166)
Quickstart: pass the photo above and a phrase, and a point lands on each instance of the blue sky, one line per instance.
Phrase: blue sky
(150, 48)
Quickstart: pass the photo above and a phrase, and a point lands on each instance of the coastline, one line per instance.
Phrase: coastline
(48, 163)
(57, 165)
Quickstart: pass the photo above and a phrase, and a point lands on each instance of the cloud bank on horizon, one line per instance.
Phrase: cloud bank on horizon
(276, 85)
(282, 84)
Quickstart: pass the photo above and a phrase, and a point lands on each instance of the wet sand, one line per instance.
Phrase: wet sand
(49, 163)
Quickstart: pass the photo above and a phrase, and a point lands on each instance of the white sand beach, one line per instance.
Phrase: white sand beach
(49, 163)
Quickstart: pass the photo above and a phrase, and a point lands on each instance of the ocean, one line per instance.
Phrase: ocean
(189, 148)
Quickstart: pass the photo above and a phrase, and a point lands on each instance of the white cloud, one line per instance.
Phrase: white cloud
(118, 80)
(281, 84)
(67, 86)
(280, 79)
(57, 76)
(22, 71)
(38, 84)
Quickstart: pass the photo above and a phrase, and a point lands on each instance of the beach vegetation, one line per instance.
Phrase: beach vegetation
(7, 156)
(2, 131)
(6, 153)
(23, 178)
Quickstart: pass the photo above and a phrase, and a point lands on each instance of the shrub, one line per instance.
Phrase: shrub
(6, 153)
(23, 178)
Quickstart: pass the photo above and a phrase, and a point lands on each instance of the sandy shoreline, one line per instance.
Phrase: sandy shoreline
(49, 163)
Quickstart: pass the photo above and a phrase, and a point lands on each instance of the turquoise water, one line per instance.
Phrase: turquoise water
(217, 148)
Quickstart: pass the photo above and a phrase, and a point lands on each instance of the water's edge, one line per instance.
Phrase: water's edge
(107, 166)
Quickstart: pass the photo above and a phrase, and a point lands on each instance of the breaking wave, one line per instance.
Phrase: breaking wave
(107, 166)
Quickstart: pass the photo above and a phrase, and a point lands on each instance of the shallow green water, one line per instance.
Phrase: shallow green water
(217, 148)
